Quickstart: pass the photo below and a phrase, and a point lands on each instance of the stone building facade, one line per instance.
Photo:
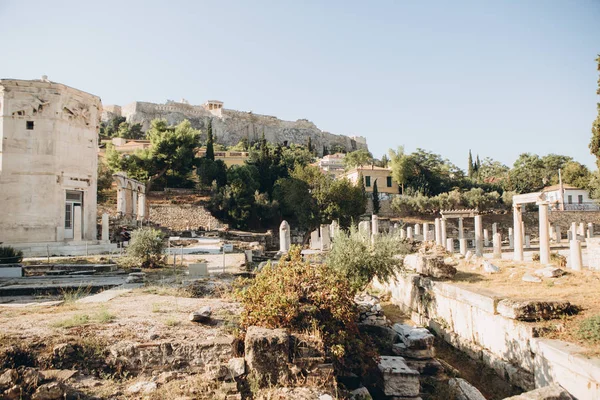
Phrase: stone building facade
(48, 162)
(231, 126)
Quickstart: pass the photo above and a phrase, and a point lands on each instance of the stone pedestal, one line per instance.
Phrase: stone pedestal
(325, 238)
(497, 239)
(284, 237)
(364, 228)
(417, 229)
(575, 259)
(409, 233)
(463, 246)
(105, 228)
(450, 245)
(590, 230)
(315, 241)
(486, 238)
(402, 233)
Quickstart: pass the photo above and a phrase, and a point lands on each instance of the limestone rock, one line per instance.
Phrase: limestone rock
(237, 366)
(491, 268)
(136, 277)
(360, 394)
(400, 349)
(549, 272)
(49, 391)
(531, 278)
(31, 377)
(267, 354)
(463, 390)
(532, 310)
(429, 366)
(166, 377)
(142, 387)
(414, 338)
(202, 315)
(398, 378)
(8, 379)
(552, 392)
(14, 393)
(429, 265)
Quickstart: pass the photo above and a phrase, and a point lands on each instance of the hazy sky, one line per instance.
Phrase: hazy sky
(499, 77)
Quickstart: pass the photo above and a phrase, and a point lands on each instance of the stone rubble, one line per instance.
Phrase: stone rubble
(463, 390)
(370, 310)
(531, 278)
(136, 277)
(202, 315)
(552, 392)
(429, 265)
(549, 272)
(489, 267)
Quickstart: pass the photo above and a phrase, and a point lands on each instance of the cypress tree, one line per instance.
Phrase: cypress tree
(595, 142)
(210, 150)
(376, 205)
(363, 189)
(309, 145)
(470, 166)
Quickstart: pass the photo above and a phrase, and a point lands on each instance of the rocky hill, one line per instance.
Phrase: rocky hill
(231, 126)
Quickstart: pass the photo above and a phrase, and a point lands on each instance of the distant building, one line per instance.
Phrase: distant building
(228, 157)
(48, 162)
(332, 164)
(573, 198)
(383, 176)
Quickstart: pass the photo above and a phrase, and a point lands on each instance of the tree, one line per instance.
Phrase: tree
(111, 127)
(595, 141)
(128, 131)
(210, 171)
(492, 171)
(210, 150)
(309, 145)
(235, 201)
(400, 164)
(358, 158)
(576, 174)
(171, 148)
(361, 185)
(470, 166)
(384, 162)
(527, 174)
(376, 205)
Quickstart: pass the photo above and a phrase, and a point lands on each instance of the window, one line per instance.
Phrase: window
(68, 216)
(570, 199)
(29, 125)
(389, 181)
(580, 199)
(367, 181)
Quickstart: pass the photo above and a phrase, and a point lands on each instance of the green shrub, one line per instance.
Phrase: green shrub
(589, 329)
(145, 248)
(301, 297)
(359, 260)
(8, 255)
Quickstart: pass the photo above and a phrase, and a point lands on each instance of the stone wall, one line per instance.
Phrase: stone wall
(183, 217)
(234, 125)
(471, 321)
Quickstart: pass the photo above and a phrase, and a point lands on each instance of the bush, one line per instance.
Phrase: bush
(145, 248)
(589, 329)
(8, 255)
(359, 260)
(302, 297)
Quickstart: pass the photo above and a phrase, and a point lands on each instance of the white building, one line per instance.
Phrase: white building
(48, 164)
(573, 198)
(332, 164)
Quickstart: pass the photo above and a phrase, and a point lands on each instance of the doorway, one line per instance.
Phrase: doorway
(73, 198)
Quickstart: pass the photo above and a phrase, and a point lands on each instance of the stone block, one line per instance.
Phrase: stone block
(414, 338)
(549, 272)
(202, 315)
(463, 390)
(12, 271)
(361, 394)
(552, 392)
(398, 378)
(532, 310)
(429, 266)
(237, 366)
(267, 354)
(425, 367)
(198, 269)
(401, 350)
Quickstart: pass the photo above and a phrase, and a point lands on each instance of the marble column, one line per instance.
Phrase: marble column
(518, 233)
(557, 234)
(575, 259)
(417, 229)
(425, 231)
(438, 231)
(325, 238)
(590, 230)
(478, 236)
(121, 201)
(497, 240)
(141, 207)
(285, 240)
(486, 238)
(573, 231)
(105, 228)
(511, 239)
(544, 234)
(463, 246)
(581, 229)
(461, 229)
(494, 229)
(402, 233)
(409, 233)
(450, 245)
(444, 232)
(527, 244)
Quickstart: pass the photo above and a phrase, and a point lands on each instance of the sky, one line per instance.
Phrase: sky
(497, 77)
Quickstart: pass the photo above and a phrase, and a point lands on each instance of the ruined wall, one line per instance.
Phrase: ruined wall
(472, 321)
(48, 143)
(233, 126)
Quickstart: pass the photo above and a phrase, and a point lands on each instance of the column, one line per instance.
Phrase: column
(573, 231)
(497, 240)
(402, 233)
(582, 229)
(374, 225)
(284, 237)
(486, 238)
(450, 245)
(461, 232)
(444, 230)
(409, 233)
(325, 238)
(77, 222)
(557, 233)
(575, 260)
(527, 241)
(438, 232)
(425, 231)
(417, 229)
(463, 246)
(141, 209)
(552, 235)
(544, 234)
(590, 231)
(478, 236)
(517, 232)
(315, 242)
(121, 201)
(494, 230)
(105, 228)
(511, 239)
(134, 204)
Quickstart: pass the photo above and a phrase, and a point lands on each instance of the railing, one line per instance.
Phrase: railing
(589, 206)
